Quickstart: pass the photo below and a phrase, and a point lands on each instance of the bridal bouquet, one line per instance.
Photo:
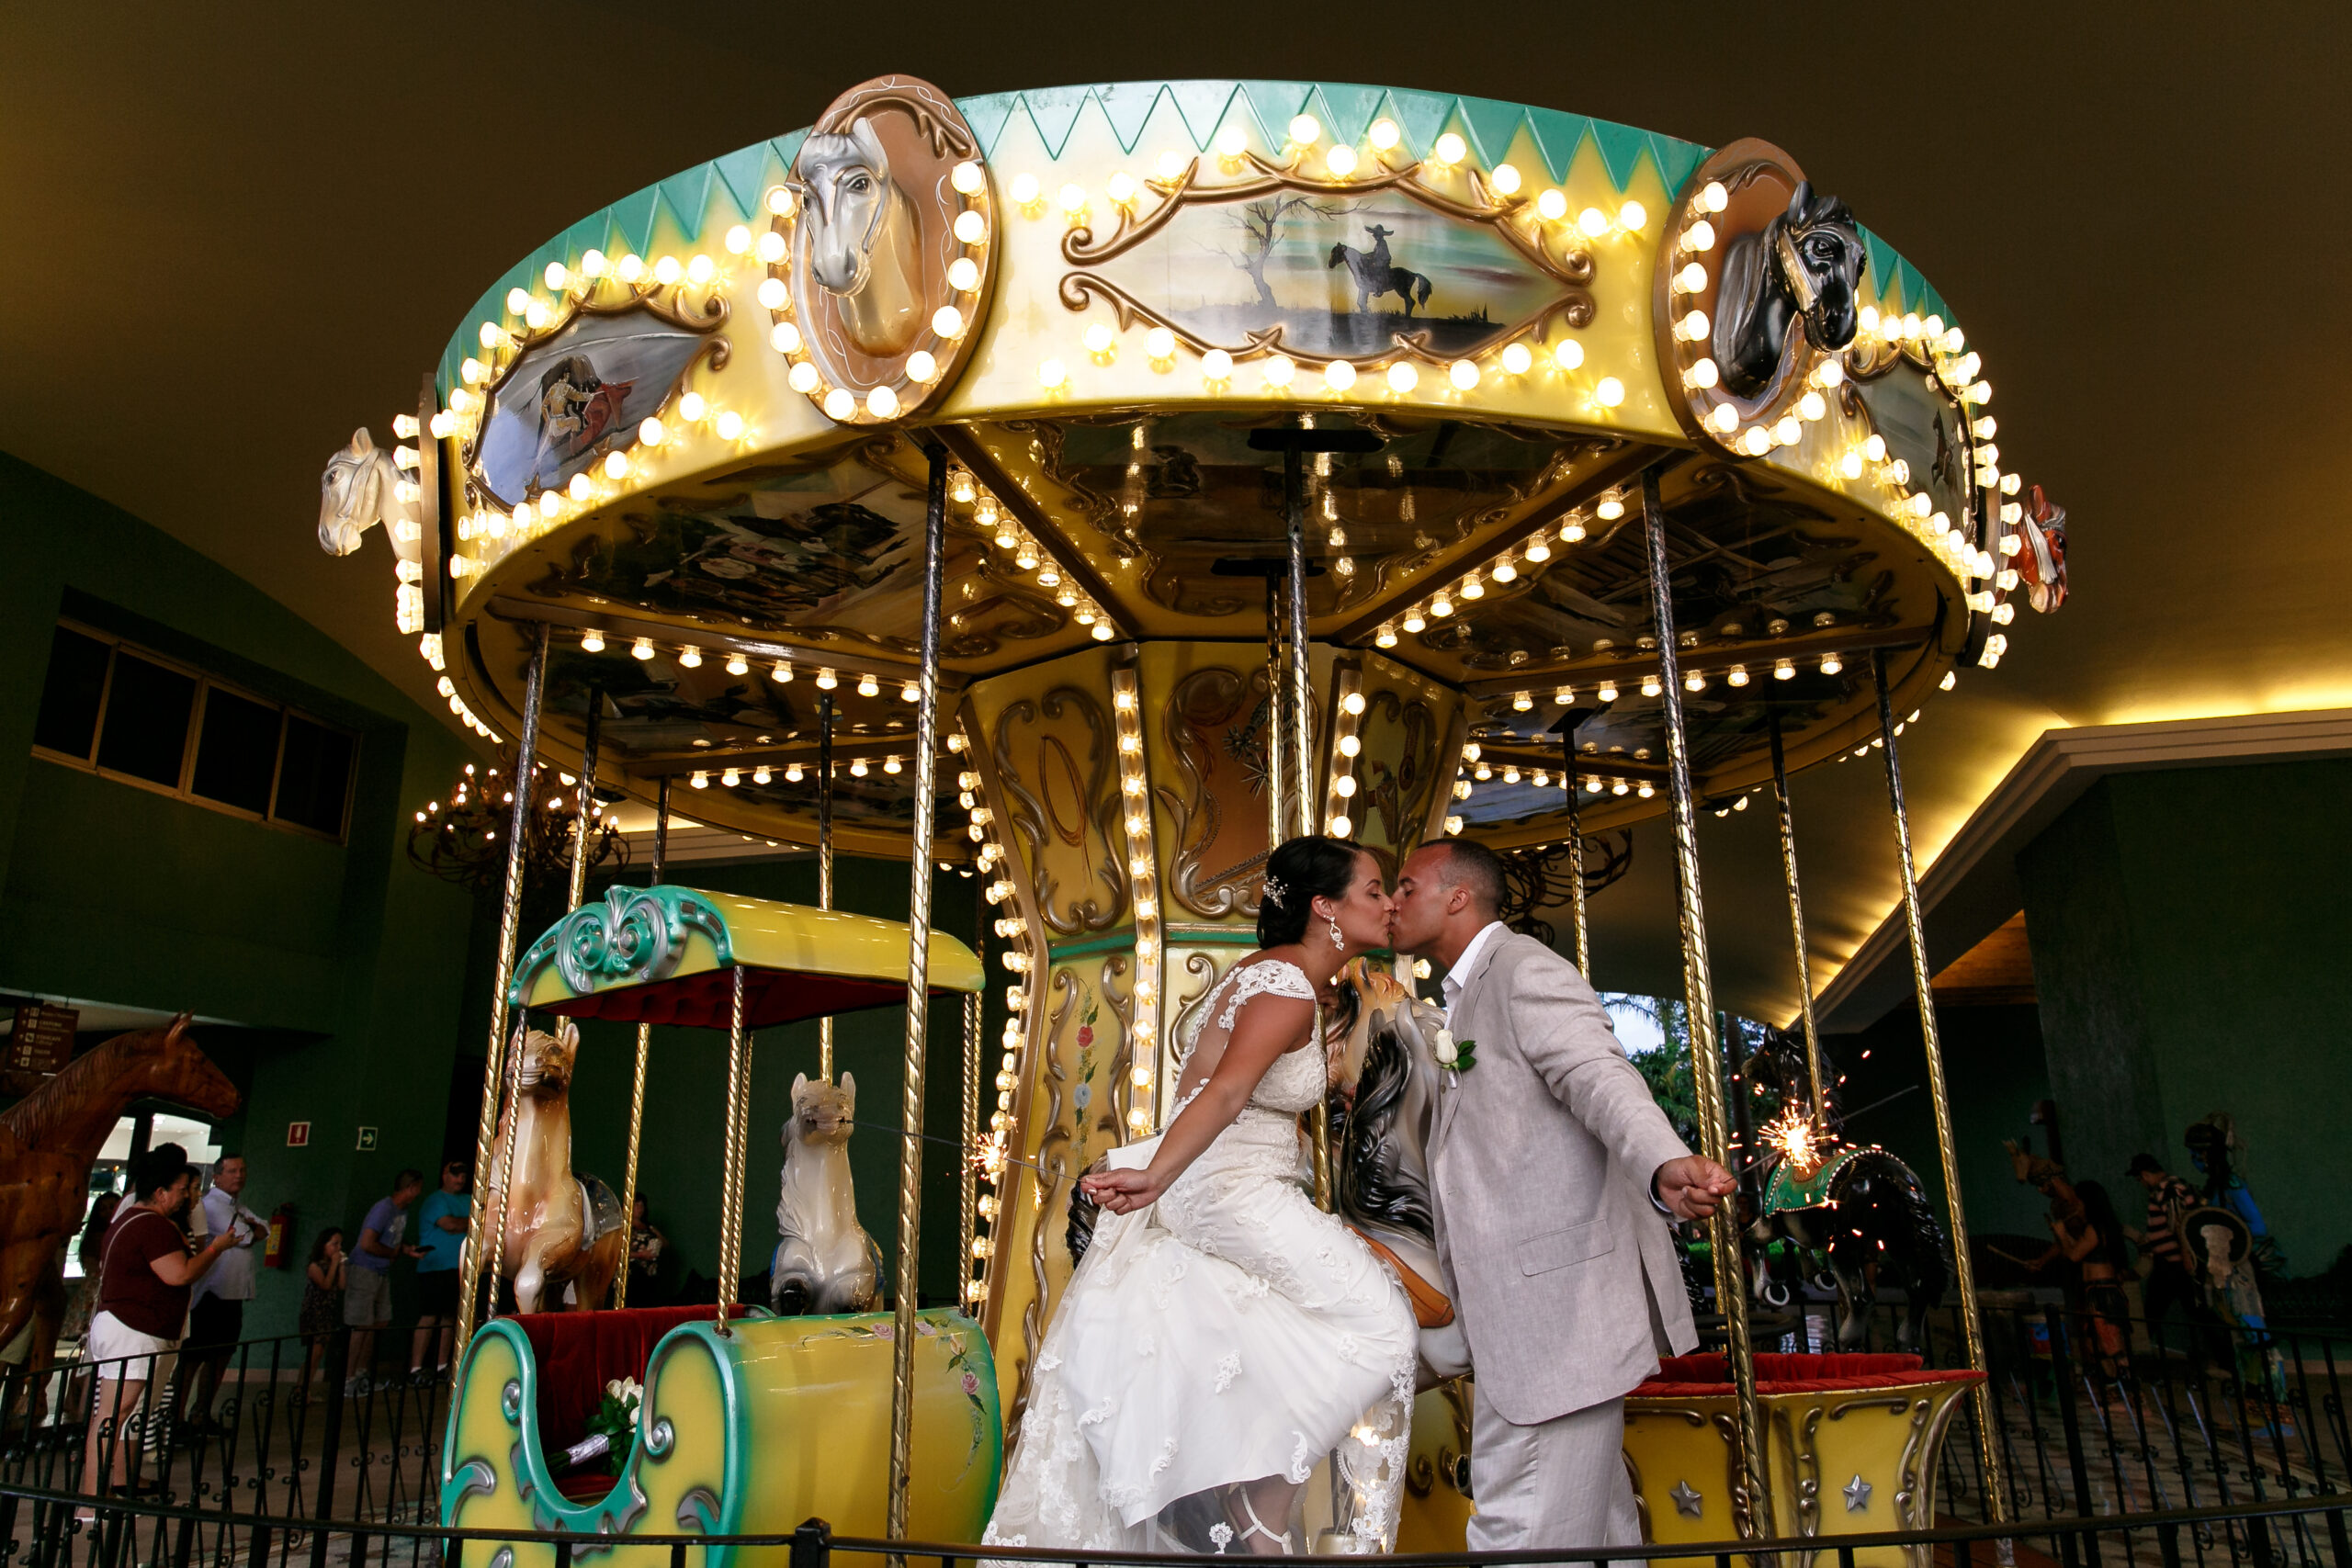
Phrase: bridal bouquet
(615, 1418)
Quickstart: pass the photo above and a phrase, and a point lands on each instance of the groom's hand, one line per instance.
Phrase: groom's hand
(1691, 1186)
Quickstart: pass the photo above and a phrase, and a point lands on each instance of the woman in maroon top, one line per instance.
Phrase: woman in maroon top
(145, 1271)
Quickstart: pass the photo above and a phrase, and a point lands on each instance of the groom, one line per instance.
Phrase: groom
(1554, 1173)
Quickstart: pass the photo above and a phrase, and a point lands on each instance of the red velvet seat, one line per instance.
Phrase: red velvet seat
(1709, 1373)
(579, 1352)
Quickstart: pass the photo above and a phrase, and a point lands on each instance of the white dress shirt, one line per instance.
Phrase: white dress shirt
(1460, 968)
(232, 1275)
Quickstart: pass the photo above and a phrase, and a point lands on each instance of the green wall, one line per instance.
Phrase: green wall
(343, 965)
(2189, 930)
(1993, 1074)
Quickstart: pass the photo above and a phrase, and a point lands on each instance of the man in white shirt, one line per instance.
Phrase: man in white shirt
(217, 1310)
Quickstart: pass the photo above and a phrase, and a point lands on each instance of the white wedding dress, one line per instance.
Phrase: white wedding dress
(1229, 1332)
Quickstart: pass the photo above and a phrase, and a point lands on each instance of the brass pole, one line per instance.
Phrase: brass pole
(1274, 716)
(510, 918)
(587, 801)
(825, 857)
(1698, 999)
(644, 1051)
(1294, 518)
(902, 1358)
(730, 1194)
(1815, 1081)
(1575, 880)
(1963, 1272)
(968, 1178)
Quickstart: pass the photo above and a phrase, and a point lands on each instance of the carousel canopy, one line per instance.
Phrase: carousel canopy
(668, 955)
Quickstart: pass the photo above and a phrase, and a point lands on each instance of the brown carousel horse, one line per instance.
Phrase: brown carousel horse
(50, 1139)
(562, 1229)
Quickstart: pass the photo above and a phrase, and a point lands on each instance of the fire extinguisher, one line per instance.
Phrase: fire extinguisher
(279, 1253)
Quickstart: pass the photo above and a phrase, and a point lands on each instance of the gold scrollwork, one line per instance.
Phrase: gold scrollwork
(1048, 1179)
(1203, 968)
(1205, 699)
(1036, 818)
(1123, 1008)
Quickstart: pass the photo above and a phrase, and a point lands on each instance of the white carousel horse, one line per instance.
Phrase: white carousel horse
(359, 490)
(562, 1229)
(861, 237)
(825, 1262)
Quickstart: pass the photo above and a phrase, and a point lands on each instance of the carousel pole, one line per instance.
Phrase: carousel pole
(1294, 522)
(967, 1175)
(1963, 1270)
(1275, 825)
(825, 857)
(731, 1152)
(510, 918)
(1575, 876)
(1815, 1081)
(926, 748)
(644, 1050)
(1706, 1056)
(587, 801)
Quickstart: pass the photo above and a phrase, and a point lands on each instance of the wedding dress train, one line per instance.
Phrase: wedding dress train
(1228, 1333)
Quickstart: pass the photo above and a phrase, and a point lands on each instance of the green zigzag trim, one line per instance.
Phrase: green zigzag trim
(1346, 110)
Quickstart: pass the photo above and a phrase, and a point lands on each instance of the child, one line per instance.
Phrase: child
(322, 1298)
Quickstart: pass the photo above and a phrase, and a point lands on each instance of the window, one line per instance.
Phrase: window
(127, 714)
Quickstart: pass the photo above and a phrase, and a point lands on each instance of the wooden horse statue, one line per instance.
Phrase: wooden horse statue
(48, 1141)
(560, 1229)
(825, 1262)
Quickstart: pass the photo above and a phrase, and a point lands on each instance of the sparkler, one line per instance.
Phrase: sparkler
(989, 1157)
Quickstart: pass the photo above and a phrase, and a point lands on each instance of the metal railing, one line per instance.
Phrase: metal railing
(2186, 1418)
(147, 1535)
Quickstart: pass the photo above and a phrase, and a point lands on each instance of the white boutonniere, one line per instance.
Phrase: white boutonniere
(1453, 1056)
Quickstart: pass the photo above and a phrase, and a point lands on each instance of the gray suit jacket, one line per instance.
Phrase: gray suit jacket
(1563, 1270)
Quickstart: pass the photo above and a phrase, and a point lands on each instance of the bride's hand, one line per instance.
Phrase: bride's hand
(1123, 1191)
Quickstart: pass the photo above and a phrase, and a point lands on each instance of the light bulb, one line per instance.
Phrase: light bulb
(1633, 217)
(1463, 374)
(948, 321)
(1278, 371)
(867, 686)
(1159, 343)
(728, 425)
(1440, 606)
(1609, 392)
(1450, 148)
(781, 673)
(690, 657)
(892, 765)
(592, 641)
(1384, 134)
(1340, 374)
(1413, 621)
(1403, 376)
(1651, 686)
(1340, 161)
(1505, 179)
(840, 405)
(881, 403)
(1232, 142)
(1831, 664)
(1569, 353)
(1608, 692)
(910, 693)
(1738, 675)
(1592, 223)
(1784, 669)
(642, 648)
(1025, 189)
(730, 778)
(1216, 365)
(827, 680)
(857, 771)
(1611, 508)
(1306, 130)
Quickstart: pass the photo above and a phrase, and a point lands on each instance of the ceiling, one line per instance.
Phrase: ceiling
(279, 213)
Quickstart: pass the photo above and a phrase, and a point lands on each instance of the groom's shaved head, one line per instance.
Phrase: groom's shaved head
(1477, 870)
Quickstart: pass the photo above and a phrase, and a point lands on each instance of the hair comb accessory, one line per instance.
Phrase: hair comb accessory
(1274, 891)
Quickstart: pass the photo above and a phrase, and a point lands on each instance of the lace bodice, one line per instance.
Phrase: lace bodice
(1295, 1082)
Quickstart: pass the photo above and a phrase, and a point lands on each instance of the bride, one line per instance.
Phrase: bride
(1221, 1334)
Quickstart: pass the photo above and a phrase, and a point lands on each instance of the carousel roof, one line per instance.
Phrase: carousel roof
(667, 954)
(651, 444)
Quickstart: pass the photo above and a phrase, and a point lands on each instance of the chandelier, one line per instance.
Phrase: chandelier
(463, 838)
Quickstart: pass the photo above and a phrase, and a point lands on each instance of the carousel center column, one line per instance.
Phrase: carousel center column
(1121, 795)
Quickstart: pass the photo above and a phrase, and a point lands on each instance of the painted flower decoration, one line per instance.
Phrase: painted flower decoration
(971, 1383)
(1085, 1036)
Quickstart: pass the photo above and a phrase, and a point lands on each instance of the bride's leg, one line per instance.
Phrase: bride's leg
(1261, 1511)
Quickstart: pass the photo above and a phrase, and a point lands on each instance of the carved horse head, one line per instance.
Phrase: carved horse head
(1806, 263)
(73, 1111)
(545, 1072)
(1779, 1062)
(359, 490)
(859, 236)
(821, 1112)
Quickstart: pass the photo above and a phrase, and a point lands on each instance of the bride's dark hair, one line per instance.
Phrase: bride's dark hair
(1304, 870)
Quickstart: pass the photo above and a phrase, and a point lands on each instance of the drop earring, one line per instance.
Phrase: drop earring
(1337, 940)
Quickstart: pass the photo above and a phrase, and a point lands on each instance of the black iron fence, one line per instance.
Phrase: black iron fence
(280, 1460)
(151, 1535)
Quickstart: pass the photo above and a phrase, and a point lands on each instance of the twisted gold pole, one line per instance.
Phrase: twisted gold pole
(1303, 745)
(1963, 1270)
(825, 857)
(510, 916)
(1274, 832)
(1699, 997)
(902, 1358)
(644, 1050)
(1816, 1082)
(730, 1196)
(1575, 879)
(586, 803)
(968, 1178)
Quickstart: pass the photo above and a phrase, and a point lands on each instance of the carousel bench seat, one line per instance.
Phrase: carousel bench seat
(579, 1352)
(1851, 1443)
(1709, 1374)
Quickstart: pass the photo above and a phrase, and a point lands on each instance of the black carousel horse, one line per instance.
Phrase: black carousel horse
(1859, 1209)
(1806, 262)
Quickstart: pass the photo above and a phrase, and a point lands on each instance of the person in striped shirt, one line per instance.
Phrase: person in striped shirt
(2168, 1282)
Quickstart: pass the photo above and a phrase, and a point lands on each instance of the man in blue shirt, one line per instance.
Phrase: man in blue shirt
(368, 1283)
(441, 1222)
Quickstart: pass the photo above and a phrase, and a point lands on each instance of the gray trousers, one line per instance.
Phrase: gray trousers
(1560, 1483)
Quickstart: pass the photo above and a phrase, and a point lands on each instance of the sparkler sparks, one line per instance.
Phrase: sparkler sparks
(1798, 1140)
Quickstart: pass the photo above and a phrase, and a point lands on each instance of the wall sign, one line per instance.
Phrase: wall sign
(298, 1134)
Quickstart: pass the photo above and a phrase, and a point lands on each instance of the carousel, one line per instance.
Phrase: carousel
(1085, 489)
